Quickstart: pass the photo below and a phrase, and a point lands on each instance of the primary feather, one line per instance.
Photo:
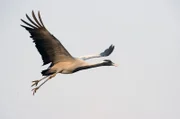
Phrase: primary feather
(50, 48)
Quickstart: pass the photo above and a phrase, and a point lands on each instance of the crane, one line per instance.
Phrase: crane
(55, 54)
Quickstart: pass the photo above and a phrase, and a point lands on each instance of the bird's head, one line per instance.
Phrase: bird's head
(109, 63)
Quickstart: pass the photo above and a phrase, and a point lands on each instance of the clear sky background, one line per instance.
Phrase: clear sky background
(146, 85)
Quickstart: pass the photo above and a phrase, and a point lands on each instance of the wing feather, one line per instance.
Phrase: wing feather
(105, 53)
(36, 19)
(40, 19)
(32, 21)
(28, 24)
(50, 48)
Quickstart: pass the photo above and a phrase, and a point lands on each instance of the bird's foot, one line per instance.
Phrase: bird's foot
(34, 90)
(35, 83)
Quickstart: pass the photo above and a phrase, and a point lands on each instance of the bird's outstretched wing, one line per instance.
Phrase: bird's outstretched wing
(50, 48)
(105, 53)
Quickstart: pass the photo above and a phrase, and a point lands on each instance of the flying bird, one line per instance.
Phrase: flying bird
(55, 54)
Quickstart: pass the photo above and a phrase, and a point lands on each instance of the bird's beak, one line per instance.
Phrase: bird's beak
(116, 65)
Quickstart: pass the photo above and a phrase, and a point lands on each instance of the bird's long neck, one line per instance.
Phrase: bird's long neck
(90, 66)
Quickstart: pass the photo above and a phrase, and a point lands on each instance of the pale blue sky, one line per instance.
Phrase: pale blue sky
(144, 86)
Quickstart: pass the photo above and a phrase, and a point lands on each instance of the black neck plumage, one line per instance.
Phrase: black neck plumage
(89, 66)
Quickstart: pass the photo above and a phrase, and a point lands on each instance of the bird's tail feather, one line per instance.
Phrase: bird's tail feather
(47, 72)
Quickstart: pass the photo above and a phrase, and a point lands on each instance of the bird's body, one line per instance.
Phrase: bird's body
(67, 67)
(52, 51)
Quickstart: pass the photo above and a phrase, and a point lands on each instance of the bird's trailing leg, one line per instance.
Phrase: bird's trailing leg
(35, 82)
(51, 76)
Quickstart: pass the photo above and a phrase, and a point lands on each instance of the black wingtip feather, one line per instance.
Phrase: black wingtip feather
(28, 23)
(37, 21)
(27, 28)
(39, 15)
(32, 21)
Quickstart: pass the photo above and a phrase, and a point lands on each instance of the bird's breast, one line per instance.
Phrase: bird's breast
(66, 71)
(68, 67)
